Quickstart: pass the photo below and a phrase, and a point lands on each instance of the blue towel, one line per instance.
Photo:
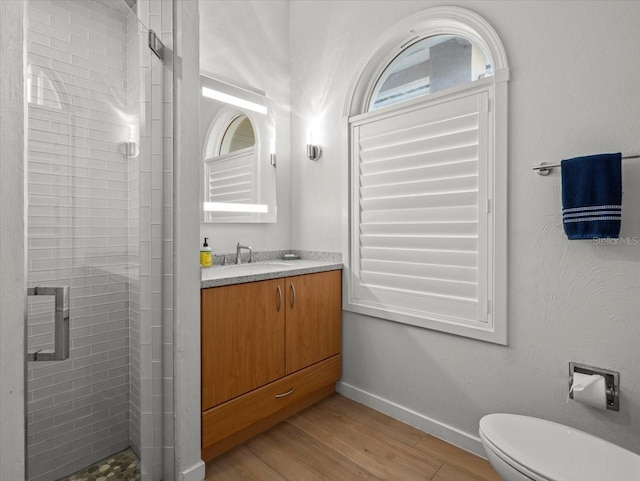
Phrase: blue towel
(592, 196)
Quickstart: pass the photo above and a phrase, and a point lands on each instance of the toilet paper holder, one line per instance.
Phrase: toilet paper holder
(611, 381)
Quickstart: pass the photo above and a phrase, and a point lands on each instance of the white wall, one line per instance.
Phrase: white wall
(248, 43)
(574, 90)
(186, 286)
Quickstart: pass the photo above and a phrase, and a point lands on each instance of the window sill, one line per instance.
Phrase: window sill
(481, 331)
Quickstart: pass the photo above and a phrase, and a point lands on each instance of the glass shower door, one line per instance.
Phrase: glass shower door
(88, 155)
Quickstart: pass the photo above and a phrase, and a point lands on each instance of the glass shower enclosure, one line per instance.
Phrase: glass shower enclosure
(98, 238)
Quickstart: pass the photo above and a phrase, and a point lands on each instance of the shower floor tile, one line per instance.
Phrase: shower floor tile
(123, 466)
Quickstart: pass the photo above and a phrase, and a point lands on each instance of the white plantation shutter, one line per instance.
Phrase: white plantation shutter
(420, 238)
(230, 179)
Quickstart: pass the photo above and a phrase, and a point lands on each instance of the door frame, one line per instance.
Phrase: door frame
(12, 243)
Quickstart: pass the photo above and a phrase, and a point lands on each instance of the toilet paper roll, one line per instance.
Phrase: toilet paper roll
(589, 389)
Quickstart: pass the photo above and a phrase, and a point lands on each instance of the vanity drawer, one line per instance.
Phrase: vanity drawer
(235, 421)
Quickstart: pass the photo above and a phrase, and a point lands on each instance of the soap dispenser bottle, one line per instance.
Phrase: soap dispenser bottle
(205, 254)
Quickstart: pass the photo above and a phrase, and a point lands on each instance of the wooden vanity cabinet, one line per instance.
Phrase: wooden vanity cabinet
(269, 349)
(242, 336)
(313, 319)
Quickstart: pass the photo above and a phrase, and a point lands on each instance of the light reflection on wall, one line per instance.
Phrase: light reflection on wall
(41, 90)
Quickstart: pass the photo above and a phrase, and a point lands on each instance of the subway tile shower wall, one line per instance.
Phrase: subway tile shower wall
(102, 224)
(83, 232)
(156, 247)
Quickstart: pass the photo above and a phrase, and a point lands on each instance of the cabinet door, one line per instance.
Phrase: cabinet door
(242, 339)
(314, 312)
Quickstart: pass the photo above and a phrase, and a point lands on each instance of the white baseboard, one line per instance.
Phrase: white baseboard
(194, 473)
(440, 430)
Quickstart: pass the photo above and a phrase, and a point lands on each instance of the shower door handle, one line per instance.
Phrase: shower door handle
(61, 324)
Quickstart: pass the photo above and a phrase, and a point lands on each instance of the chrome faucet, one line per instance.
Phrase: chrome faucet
(239, 253)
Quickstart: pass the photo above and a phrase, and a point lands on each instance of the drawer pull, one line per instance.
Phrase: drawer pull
(279, 297)
(285, 394)
(293, 295)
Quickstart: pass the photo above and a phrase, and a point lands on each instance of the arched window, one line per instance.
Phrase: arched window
(430, 65)
(239, 135)
(427, 118)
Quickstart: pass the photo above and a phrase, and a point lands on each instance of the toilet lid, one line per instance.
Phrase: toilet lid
(557, 452)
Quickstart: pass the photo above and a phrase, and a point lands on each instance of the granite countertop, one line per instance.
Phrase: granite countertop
(217, 275)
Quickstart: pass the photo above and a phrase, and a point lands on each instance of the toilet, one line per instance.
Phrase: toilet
(522, 448)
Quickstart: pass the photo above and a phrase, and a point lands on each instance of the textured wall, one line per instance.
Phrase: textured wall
(573, 91)
(248, 43)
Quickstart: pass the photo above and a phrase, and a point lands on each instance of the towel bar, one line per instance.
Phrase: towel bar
(545, 169)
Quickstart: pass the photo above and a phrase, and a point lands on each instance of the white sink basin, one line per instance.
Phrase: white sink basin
(255, 267)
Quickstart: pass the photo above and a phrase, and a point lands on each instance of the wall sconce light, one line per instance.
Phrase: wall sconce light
(314, 151)
(272, 152)
(129, 148)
